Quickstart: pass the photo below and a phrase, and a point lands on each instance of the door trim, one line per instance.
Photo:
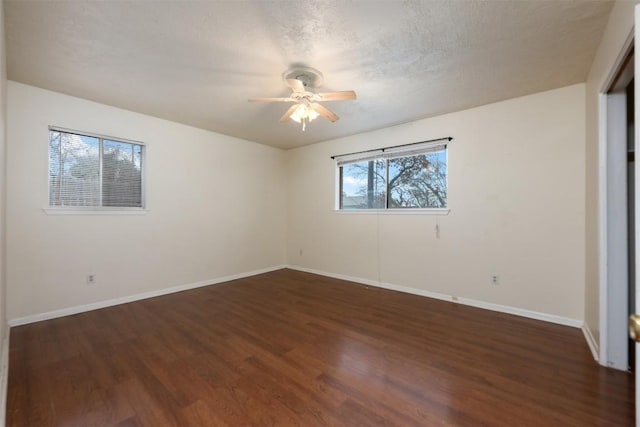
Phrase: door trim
(602, 194)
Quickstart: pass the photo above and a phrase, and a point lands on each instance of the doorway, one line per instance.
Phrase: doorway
(619, 218)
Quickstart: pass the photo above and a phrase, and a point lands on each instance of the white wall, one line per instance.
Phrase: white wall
(516, 193)
(216, 208)
(618, 29)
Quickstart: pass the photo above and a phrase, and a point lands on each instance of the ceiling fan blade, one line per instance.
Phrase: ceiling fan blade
(271, 100)
(338, 96)
(288, 114)
(325, 112)
(296, 85)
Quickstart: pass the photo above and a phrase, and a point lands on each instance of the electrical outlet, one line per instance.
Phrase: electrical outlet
(300, 252)
(495, 280)
(91, 279)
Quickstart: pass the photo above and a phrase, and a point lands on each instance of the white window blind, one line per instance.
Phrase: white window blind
(358, 157)
(392, 152)
(414, 149)
(92, 171)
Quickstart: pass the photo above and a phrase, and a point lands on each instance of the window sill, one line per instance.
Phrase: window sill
(437, 211)
(95, 211)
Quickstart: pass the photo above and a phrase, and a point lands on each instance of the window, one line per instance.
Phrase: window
(94, 171)
(413, 176)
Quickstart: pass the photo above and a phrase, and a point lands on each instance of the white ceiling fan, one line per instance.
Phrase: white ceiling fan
(306, 103)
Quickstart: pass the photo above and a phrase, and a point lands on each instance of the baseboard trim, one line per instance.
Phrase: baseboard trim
(136, 297)
(552, 318)
(4, 375)
(593, 346)
(421, 292)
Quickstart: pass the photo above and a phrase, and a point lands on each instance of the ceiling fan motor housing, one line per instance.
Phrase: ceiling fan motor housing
(310, 77)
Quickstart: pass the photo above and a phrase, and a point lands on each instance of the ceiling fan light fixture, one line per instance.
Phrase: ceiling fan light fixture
(299, 114)
(304, 113)
(313, 114)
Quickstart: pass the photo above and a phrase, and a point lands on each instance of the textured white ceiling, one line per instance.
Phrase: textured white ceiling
(197, 62)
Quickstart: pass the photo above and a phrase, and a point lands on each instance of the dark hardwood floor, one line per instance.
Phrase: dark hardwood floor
(290, 348)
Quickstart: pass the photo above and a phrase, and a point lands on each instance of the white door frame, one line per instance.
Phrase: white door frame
(607, 356)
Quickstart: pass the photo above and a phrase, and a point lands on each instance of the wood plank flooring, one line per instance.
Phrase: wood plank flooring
(290, 348)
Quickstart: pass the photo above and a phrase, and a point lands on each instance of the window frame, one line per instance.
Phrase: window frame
(56, 210)
(387, 154)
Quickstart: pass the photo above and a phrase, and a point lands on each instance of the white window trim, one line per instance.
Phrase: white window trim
(100, 210)
(405, 211)
(94, 211)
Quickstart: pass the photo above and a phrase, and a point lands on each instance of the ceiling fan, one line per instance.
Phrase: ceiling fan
(306, 103)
